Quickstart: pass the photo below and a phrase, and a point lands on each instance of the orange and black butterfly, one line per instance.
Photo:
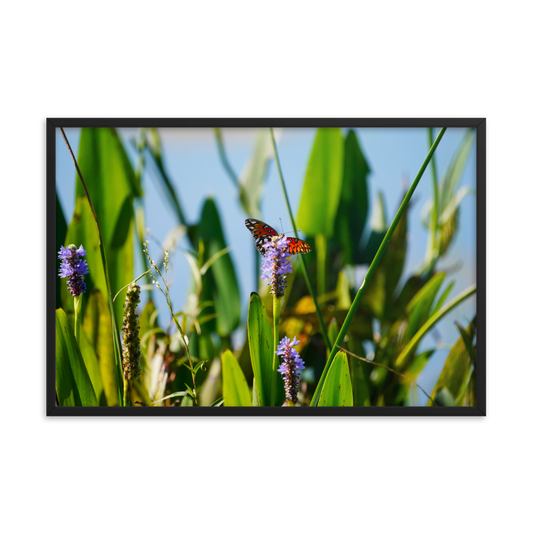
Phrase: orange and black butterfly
(263, 233)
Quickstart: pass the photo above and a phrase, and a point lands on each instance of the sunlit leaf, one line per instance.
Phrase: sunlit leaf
(73, 384)
(448, 185)
(234, 387)
(112, 186)
(337, 390)
(420, 306)
(265, 363)
(97, 326)
(458, 367)
(323, 184)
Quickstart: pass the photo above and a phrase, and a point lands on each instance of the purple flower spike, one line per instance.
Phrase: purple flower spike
(291, 363)
(276, 265)
(74, 268)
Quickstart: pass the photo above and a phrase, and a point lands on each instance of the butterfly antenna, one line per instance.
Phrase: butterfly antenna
(281, 225)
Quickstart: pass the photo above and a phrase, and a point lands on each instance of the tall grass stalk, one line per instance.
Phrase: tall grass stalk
(372, 268)
(432, 251)
(166, 294)
(116, 334)
(306, 275)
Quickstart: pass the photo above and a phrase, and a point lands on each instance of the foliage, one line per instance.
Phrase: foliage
(195, 360)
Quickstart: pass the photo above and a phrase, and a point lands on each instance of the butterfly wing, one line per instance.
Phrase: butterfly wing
(262, 233)
(297, 246)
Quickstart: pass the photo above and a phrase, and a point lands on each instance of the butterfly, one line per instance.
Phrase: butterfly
(263, 233)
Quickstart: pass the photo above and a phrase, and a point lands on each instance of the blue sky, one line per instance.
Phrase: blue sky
(394, 157)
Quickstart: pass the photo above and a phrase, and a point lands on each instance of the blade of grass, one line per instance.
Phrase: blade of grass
(372, 268)
(433, 223)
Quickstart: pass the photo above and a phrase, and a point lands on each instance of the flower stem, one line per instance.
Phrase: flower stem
(127, 392)
(372, 268)
(275, 322)
(77, 317)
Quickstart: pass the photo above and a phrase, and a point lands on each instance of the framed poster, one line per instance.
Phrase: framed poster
(288, 267)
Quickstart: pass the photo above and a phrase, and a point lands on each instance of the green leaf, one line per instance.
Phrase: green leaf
(420, 306)
(449, 198)
(430, 323)
(360, 372)
(457, 370)
(73, 384)
(220, 282)
(253, 175)
(451, 179)
(333, 331)
(112, 186)
(93, 367)
(175, 395)
(234, 387)
(444, 398)
(337, 390)
(264, 362)
(381, 288)
(98, 328)
(379, 227)
(353, 204)
(323, 184)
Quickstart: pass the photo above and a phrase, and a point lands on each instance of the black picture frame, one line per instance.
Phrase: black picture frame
(479, 124)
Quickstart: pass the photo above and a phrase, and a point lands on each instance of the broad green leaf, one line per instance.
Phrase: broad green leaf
(97, 326)
(112, 186)
(353, 204)
(220, 282)
(234, 387)
(337, 390)
(457, 369)
(73, 384)
(264, 362)
(323, 184)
